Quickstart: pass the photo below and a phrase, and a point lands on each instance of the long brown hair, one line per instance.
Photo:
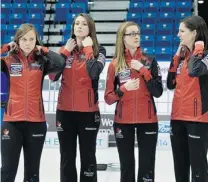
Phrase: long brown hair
(23, 29)
(92, 31)
(197, 23)
(120, 47)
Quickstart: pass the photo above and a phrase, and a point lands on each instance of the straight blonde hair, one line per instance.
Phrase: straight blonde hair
(120, 47)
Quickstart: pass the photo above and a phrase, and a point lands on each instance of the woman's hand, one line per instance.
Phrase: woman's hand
(13, 46)
(135, 64)
(87, 41)
(70, 45)
(132, 84)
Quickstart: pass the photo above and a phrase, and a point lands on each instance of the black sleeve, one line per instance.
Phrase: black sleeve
(56, 76)
(119, 92)
(171, 78)
(117, 89)
(95, 66)
(154, 85)
(54, 63)
(198, 65)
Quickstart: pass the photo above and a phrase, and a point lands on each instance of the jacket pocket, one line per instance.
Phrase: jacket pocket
(195, 107)
(149, 109)
(59, 95)
(89, 98)
(120, 110)
(9, 107)
(40, 108)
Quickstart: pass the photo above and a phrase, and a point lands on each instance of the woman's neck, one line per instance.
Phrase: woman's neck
(24, 53)
(132, 51)
(79, 42)
(191, 47)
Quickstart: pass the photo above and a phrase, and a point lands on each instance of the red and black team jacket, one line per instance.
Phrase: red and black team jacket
(79, 83)
(136, 106)
(25, 79)
(188, 75)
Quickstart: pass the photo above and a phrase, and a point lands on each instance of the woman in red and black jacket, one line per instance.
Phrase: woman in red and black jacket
(77, 110)
(24, 123)
(132, 80)
(188, 75)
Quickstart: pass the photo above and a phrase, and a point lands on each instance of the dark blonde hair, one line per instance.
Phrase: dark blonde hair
(92, 31)
(120, 47)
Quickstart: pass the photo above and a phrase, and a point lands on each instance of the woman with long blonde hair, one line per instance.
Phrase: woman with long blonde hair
(133, 79)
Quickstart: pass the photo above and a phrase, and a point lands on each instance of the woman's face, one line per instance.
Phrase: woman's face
(28, 42)
(132, 37)
(81, 28)
(186, 36)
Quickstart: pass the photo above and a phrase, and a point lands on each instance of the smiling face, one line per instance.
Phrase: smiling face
(81, 28)
(132, 37)
(186, 36)
(27, 42)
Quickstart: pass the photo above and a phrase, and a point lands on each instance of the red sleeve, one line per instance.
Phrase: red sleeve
(88, 52)
(5, 48)
(65, 52)
(146, 73)
(52, 76)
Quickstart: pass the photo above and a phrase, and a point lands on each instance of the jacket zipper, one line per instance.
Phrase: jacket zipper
(10, 107)
(195, 107)
(40, 108)
(89, 98)
(135, 96)
(73, 83)
(135, 110)
(26, 83)
(181, 74)
(149, 109)
(120, 109)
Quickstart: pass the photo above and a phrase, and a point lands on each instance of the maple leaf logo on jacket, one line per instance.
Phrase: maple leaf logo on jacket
(6, 132)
